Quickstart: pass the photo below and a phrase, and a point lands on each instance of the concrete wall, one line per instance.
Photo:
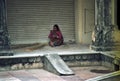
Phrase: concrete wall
(84, 20)
(116, 32)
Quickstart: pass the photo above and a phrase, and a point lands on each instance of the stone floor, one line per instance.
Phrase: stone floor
(81, 74)
(40, 50)
(61, 50)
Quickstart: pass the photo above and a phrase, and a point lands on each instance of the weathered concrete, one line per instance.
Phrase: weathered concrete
(115, 76)
(54, 63)
(81, 74)
(102, 34)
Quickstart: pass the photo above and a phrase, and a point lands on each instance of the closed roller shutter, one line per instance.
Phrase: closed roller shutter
(29, 21)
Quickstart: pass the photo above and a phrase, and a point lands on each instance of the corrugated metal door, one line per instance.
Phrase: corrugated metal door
(29, 21)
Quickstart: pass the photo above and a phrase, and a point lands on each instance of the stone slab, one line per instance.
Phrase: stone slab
(54, 63)
(44, 75)
(5, 76)
(114, 76)
(23, 75)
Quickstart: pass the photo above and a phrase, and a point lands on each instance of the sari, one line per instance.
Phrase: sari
(56, 37)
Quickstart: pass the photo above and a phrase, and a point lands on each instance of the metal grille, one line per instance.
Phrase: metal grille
(29, 21)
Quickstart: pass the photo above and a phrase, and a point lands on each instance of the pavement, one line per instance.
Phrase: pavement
(81, 74)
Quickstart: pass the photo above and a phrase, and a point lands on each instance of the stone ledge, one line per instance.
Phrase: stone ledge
(6, 53)
(71, 60)
(114, 76)
(101, 48)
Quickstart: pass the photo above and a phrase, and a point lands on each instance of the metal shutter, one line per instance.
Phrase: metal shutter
(29, 21)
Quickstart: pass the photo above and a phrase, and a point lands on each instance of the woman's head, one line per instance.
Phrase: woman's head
(56, 27)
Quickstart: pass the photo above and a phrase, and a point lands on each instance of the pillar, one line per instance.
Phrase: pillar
(102, 34)
(4, 37)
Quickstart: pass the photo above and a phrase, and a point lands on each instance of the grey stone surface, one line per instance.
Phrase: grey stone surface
(4, 36)
(115, 76)
(81, 74)
(103, 26)
(54, 63)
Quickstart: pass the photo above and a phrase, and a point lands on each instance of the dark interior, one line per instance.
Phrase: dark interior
(118, 14)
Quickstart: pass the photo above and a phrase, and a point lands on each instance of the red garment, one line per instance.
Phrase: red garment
(55, 37)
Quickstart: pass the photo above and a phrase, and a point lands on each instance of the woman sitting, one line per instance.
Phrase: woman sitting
(55, 36)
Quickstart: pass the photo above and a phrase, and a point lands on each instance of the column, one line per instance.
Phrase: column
(4, 37)
(102, 34)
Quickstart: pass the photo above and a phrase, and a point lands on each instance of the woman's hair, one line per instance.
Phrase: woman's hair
(56, 27)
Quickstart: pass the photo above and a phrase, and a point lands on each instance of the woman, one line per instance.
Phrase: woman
(55, 36)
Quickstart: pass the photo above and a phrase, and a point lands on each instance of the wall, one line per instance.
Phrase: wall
(84, 20)
(116, 32)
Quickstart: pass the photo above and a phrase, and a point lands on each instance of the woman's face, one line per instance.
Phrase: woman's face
(55, 28)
